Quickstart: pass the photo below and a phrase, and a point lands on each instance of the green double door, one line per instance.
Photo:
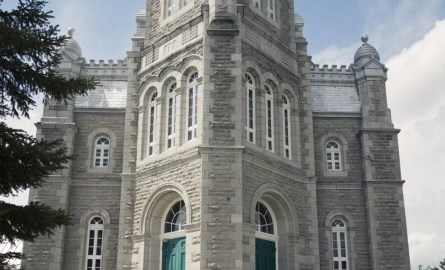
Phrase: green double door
(173, 254)
(265, 255)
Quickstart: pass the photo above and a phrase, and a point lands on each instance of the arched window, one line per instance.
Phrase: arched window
(171, 113)
(286, 128)
(333, 156)
(102, 152)
(192, 106)
(250, 100)
(176, 217)
(174, 248)
(271, 9)
(265, 240)
(95, 244)
(263, 219)
(151, 122)
(339, 245)
(269, 119)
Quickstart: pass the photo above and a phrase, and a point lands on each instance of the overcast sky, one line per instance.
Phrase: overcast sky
(410, 37)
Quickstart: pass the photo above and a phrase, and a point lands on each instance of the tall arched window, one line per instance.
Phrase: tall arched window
(173, 249)
(269, 119)
(95, 244)
(192, 106)
(265, 241)
(171, 113)
(286, 127)
(151, 123)
(339, 245)
(102, 152)
(333, 156)
(271, 9)
(250, 105)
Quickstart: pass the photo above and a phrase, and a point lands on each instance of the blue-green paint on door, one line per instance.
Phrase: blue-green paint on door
(265, 255)
(173, 254)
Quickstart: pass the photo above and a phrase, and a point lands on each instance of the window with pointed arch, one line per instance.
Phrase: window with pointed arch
(102, 152)
(95, 244)
(333, 156)
(265, 238)
(250, 107)
(271, 9)
(286, 127)
(192, 106)
(152, 123)
(171, 115)
(339, 244)
(269, 119)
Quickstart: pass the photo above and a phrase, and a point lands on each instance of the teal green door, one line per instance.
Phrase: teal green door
(265, 255)
(173, 254)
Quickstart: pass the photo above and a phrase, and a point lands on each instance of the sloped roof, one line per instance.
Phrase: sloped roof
(108, 94)
(329, 98)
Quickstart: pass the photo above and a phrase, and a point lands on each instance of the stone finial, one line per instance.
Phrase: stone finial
(71, 31)
(365, 39)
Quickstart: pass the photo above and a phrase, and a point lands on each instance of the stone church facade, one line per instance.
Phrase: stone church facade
(218, 144)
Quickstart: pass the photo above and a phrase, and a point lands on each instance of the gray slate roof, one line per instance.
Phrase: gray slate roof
(108, 94)
(328, 98)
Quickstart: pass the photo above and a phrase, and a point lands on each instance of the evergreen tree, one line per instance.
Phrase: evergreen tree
(29, 47)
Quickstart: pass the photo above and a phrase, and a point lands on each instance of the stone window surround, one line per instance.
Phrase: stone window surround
(284, 216)
(260, 78)
(350, 236)
(178, 11)
(83, 234)
(264, 11)
(343, 144)
(152, 220)
(181, 78)
(91, 146)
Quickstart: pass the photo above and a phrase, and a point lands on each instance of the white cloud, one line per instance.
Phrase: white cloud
(394, 25)
(336, 55)
(416, 96)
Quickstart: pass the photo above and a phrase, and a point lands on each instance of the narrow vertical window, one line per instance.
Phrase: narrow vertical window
(269, 119)
(151, 122)
(339, 245)
(192, 106)
(169, 5)
(333, 156)
(102, 152)
(171, 112)
(250, 99)
(95, 244)
(184, 3)
(286, 128)
(271, 9)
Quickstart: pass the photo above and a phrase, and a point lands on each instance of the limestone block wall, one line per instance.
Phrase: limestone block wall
(340, 129)
(92, 125)
(283, 187)
(89, 198)
(349, 202)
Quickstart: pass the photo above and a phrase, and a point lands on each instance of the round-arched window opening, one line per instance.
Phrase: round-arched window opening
(263, 219)
(176, 217)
